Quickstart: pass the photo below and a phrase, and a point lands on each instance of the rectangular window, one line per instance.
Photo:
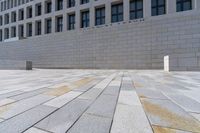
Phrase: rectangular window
(1, 20)
(48, 6)
(136, 9)
(59, 5)
(13, 31)
(29, 12)
(48, 26)
(71, 3)
(59, 27)
(100, 16)
(71, 21)
(6, 19)
(21, 31)
(21, 14)
(183, 5)
(6, 33)
(38, 9)
(29, 30)
(158, 7)
(117, 12)
(13, 17)
(84, 1)
(1, 37)
(85, 19)
(38, 29)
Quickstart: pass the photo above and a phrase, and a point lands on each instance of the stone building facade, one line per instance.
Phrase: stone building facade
(121, 34)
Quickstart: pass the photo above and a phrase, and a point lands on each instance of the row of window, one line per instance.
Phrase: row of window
(8, 4)
(136, 11)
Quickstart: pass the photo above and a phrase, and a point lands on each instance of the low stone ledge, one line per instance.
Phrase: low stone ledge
(15, 65)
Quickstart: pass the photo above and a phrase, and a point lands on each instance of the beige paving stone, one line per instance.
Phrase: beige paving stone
(158, 129)
(58, 91)
(167, 114)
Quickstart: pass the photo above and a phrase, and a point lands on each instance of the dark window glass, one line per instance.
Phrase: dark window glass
(6, 36)
(38, 28)
(100, 16)
(71, 3)
(59, 4)
(48, 7)
(13, 32)
(29, 12)
(85, 19)
(84, 1)
(21, 31)
(38, 9)
(21, 14)
(71, 21)
(1, 37)
(59, 24)
(183, 5)
(48, 26)
(29, 30)
(158, 7)
(136, 9)
(117, 12)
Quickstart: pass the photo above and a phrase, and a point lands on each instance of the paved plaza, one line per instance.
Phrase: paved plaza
(99, 101)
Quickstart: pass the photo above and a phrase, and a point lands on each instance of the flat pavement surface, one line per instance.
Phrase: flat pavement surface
(99, 101)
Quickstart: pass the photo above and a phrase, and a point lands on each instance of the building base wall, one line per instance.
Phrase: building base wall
(140, 44)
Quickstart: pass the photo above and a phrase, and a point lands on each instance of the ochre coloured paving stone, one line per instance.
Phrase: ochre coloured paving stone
(172, 119)
(65, 89)
(58, 91)
(158, 129)
(5, 108)
(83, 81)
(137, 85)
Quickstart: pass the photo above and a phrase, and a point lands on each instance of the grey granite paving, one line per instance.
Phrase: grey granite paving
(99, 101)
(25, 120)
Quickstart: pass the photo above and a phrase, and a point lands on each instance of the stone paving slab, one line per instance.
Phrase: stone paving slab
(130, 119)
(28, 94)
(91, 124)
(64, 118)
(62, 100)
(2, 96)
(195, 115)
(35, 130)
(148, 93)
(186, 103)
(99, 101)
(13, 109)
(158, 129)
(165, 113)
(25, 120)
(104, 106)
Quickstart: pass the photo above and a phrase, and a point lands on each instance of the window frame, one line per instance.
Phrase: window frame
(136, 10)
(182, 2)
(102, 17)
(157, 7)
(117, 14)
